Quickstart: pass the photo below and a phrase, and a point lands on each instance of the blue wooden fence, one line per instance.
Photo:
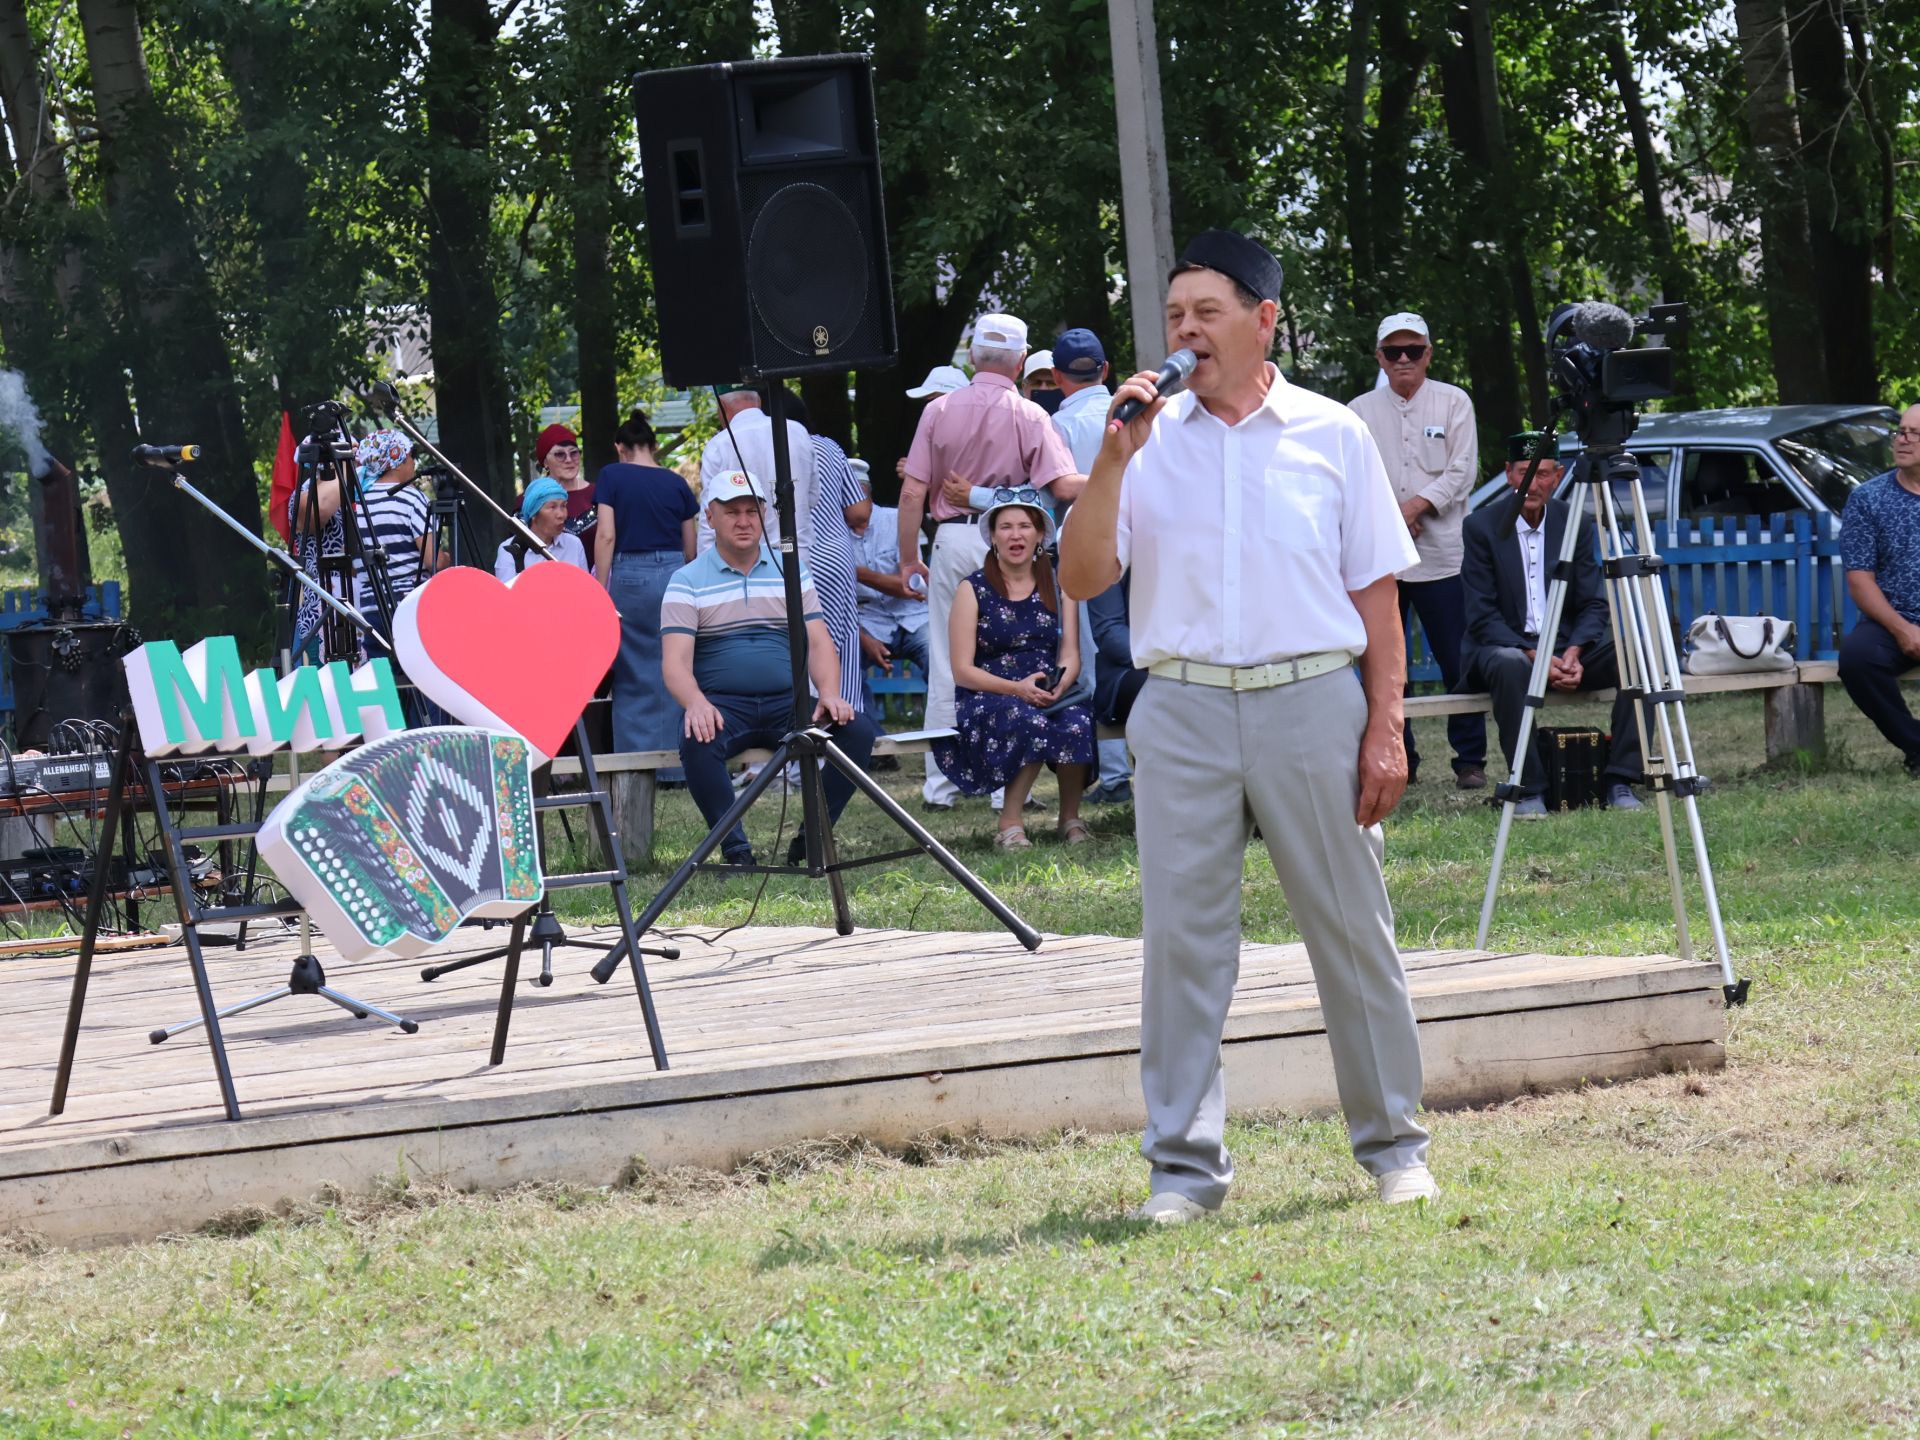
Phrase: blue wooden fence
(1785, 565)
(20, 607)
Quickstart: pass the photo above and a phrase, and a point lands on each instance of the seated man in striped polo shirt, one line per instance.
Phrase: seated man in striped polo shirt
(723, 641)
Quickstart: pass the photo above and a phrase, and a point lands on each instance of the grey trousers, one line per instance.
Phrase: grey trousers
(1208, 765)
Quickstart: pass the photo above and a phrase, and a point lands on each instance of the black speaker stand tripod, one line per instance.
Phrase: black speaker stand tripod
(813, 748)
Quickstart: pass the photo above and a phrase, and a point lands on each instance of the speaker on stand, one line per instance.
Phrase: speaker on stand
(764, 218)
(770, 260)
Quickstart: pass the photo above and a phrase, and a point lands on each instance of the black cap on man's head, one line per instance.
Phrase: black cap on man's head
(1236, 257)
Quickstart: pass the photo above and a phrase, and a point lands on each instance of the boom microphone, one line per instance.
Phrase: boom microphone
(164, 454)
(1603, 326)
(1171, 380)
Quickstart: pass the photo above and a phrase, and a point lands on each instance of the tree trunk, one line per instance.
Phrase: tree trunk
(1486, 94)
(1353, 149)
(1403, 58)
(1835, 164)
(929, 322)
(188, 576)
(1867, 85)
(1492, 373)
(1674, 287)
(53, 326)
(1797, 345)
(597, 373)
(256, 53)
(469, 367)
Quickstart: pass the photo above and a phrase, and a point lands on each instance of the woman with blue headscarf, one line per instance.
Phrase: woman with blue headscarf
(543, 510)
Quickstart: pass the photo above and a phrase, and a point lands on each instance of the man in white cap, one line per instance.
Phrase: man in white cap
(1037, 381)
(1425, 434)
(745, 442)
(992, 438)
(941, 380)
(724, 657)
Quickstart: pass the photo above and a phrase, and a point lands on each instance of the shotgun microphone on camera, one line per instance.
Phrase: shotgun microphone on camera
(1171, 380)
(164, 455)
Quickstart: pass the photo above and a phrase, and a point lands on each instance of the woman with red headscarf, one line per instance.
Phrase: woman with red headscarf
(557, 453)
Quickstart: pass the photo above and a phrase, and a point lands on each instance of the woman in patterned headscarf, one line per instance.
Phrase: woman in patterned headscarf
(390, 519)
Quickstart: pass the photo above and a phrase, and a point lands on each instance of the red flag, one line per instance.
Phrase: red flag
(284, 473)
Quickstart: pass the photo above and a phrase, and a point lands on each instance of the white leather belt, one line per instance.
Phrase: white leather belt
(1251, 677)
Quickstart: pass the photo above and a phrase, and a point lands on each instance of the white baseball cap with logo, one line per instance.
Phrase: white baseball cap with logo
(733, 485)
(1002, 332)
(1038, 360)
(1404, 320)
(941, 380)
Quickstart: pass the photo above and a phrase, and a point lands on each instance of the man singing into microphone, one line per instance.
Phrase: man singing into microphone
(1263, 538)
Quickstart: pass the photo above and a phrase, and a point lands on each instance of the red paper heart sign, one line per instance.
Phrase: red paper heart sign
(524, 657)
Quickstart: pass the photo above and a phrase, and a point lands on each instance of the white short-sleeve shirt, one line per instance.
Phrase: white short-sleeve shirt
(1245, 540)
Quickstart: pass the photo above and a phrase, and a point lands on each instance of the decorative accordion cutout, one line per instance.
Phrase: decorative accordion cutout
(392, 846)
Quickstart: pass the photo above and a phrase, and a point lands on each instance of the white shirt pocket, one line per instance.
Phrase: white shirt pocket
(1302, 510)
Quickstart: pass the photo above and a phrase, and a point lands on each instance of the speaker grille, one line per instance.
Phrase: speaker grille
(809, 269)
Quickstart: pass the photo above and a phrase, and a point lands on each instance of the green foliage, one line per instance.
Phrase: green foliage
(303, 128)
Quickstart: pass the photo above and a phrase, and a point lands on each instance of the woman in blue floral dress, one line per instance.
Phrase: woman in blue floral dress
(1007, 631)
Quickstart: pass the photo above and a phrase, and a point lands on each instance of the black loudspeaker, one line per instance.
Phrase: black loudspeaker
(764, 218)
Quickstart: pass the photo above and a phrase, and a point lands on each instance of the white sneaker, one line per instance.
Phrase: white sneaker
(1168, 1208)
(1403, 1187)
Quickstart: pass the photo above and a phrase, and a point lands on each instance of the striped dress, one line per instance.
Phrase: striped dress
(830, 560)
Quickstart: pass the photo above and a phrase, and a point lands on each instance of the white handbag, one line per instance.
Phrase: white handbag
(1739, 644)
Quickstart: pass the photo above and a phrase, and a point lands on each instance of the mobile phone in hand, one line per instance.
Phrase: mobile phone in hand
(1054, 677)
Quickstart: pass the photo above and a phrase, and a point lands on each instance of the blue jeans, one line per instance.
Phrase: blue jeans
(1871, 664)
(1442, 607)
(761, 721)
(904, 644)
(645, 716)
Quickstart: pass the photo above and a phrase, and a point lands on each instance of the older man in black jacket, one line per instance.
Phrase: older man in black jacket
(1511, 547)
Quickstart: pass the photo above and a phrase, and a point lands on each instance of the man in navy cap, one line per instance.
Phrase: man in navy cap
(1262, 538)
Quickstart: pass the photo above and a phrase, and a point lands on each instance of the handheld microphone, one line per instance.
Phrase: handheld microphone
(164, 454)
(1171, 380)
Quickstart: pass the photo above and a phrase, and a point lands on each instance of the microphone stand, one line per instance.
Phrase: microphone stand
(273, 553)
(306, 977)
(384, 401)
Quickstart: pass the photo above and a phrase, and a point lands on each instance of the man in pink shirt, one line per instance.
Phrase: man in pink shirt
(979, 439)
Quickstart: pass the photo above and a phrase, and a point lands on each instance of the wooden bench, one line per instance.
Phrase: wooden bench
(629, 779)
(1795, 703)
(1795, 722)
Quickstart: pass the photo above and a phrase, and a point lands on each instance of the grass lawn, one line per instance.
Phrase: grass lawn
(1735, 1254)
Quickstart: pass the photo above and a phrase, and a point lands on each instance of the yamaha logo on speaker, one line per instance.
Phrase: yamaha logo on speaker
(819, 339)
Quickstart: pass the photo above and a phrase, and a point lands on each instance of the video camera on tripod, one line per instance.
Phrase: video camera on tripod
(1599, 377)
(1600, 380)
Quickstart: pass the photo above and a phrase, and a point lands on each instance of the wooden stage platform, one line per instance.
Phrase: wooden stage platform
(775, 1035)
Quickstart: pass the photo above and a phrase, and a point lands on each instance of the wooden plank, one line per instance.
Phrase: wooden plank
(1469, 1060)
(1019, 1040)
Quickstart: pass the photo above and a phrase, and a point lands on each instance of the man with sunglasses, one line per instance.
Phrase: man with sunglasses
(1262, 539)
(1880, 547)
(1425, 432)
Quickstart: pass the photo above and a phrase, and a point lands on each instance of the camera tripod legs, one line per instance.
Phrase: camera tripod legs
(810, 747)
(1649, 671)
